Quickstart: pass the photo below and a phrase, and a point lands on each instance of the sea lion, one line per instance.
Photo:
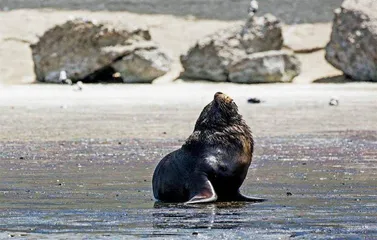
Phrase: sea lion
(212, 163)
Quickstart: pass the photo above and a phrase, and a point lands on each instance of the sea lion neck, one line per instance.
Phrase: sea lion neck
(232, 134)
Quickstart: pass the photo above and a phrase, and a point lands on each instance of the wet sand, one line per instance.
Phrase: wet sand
(317, 186)
(79, 164)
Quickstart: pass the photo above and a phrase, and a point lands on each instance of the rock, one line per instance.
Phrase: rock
(254, 100)
(210, 58)
(265, 67)
(142, 66)
(306, 38)
(82, 48)
(79, 86)
(334, 101)
(353, 44)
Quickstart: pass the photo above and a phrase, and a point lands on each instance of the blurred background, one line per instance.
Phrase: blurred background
(290, 11)
(175, 26)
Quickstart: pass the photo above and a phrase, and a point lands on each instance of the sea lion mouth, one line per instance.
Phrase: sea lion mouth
(221, 97)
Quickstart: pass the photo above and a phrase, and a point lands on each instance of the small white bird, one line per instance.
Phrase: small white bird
(64, 79)
(253, 8)
(62, 76)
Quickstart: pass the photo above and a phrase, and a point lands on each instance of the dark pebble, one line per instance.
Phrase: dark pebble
(334, 102)
(21, 158)
(195, 233)
(297, 234)
(254, 100)
(289, 194)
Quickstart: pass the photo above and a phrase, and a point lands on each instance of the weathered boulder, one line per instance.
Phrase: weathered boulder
(83, 47)
(353, 44)
(265, 67)
(142, 66)
(210, 58)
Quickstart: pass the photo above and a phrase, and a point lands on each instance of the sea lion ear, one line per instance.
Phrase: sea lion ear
(205, 194)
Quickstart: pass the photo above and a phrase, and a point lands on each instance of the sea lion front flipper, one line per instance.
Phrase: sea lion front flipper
(205, 194)
(241, 197)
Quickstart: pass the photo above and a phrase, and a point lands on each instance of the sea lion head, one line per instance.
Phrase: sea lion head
(222, 111)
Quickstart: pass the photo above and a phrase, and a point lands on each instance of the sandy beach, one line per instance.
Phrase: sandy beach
(56, 112)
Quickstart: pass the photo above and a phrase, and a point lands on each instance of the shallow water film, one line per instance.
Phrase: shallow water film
(318, 186)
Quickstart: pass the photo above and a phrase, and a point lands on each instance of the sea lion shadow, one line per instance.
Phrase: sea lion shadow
(218, 204)
(216, 215)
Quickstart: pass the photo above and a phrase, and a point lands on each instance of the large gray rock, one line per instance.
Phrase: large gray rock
(142, 66)
(210, 58)
(82, 47)
(353, 44)
(265, 67)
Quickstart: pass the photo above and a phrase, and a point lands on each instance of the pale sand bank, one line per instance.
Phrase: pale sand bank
(56, 112)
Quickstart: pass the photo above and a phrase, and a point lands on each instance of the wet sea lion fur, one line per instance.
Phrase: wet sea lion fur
(213, 162)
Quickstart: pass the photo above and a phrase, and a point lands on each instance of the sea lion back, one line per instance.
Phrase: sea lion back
(170, 177)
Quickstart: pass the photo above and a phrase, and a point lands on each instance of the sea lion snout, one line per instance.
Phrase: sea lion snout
(221, 97)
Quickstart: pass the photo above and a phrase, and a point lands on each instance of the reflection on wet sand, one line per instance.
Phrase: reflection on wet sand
(317, 186)
(220, 215)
